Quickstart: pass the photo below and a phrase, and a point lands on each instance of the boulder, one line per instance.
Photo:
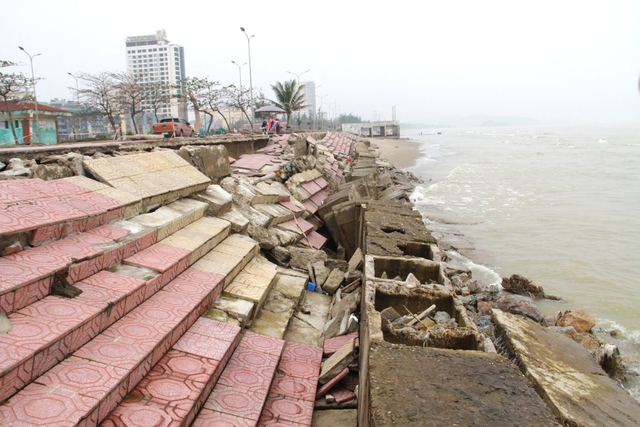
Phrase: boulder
(518, 304)
(581, 321)
(301, 257)
(321, 272)
(522, 286)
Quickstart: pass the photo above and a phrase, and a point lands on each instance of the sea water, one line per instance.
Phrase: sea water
(558, 205)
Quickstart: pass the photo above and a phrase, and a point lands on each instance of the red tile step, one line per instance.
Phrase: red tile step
(28, 274)
(291, 398)
(101, 371)
(47, 210)
(174, 391)
(243, 388)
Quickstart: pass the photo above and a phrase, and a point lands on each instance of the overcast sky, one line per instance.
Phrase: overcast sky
(548, 60)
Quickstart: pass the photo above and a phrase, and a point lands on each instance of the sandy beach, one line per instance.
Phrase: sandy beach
(402, 153)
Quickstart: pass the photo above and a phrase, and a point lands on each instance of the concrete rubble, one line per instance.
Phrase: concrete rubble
(322, 260)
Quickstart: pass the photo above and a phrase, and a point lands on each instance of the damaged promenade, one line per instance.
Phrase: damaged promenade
(265, 281)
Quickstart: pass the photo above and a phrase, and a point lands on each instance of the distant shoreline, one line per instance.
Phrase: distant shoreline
(401, 153)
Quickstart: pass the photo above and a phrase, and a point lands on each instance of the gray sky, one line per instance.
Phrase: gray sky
(542, 59)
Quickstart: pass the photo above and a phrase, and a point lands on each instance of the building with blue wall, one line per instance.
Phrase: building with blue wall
(26, 126)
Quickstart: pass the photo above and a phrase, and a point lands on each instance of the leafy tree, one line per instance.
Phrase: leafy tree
(100, 94)
(350, 118)
(10, 85)
(290, 96)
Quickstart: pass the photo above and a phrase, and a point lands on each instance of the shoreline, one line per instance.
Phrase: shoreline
(401, 153)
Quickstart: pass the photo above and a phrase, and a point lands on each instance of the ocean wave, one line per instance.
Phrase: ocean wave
(478, 271)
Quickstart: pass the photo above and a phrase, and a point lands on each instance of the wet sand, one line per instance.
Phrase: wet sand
(402, 153)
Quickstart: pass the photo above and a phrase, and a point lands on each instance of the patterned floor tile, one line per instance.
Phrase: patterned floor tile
(84, 377)
(179, 365)
(254, 360)
(334, 344)
(294, 350)
(174, 392)
(110, 232)
(38, 405)
(194, 344)
(65, 312)
(16, 273)
(287, 409)
(299, 368)
(149, 184)
(236, 375)
(115, 282)
(262, 343)
(141, 414)
(146, 336)
(119, 352)
(236, 402)
(158, 257)
(297, 388)
(31, 333)
(130, 187)
(209, 418)
(267, 421)
(25, 295)
(194, 282)
(216, 330)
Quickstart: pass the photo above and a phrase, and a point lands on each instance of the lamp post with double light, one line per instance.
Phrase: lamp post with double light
(78, 105)
(35, 96)
(250, 73)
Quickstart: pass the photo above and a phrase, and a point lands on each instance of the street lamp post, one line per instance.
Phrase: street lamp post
(250, 74)
(320, 109)
(298, 83)
(240, 92)
(239, 71)
(35, 96)
(78, 104)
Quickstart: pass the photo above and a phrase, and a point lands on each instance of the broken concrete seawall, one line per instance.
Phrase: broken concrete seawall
(394, 330)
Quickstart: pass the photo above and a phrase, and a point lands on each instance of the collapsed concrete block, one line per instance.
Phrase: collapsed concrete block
(218, 200)
(337, 362)
(213, 161)
(334, 281)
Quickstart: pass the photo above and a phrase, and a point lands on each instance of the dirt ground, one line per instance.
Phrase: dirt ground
(435, 387)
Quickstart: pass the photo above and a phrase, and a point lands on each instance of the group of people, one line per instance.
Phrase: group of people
(270, 126)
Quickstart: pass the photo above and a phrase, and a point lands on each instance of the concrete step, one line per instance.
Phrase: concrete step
(252, 284)
(28, 275)
(46, 331)
(242, 390)
(118, 358)
(156, 178)
(292, 395)
(174, 391)
(35, 212)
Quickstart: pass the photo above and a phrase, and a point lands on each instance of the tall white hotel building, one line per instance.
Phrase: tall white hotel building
(152, 58)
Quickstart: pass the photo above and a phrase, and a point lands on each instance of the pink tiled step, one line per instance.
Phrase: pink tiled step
(28, 274)
(240, 393)
(176, 388)
(100, 372)
(291, 398)
(46, 210)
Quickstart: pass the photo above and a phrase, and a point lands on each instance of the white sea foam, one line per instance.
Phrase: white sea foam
(478, 271)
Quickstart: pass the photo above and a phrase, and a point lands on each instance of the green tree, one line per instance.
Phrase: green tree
(10, 85)
(350, 118)
(290, 96)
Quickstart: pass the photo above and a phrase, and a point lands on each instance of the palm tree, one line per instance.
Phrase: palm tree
(290, 96)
